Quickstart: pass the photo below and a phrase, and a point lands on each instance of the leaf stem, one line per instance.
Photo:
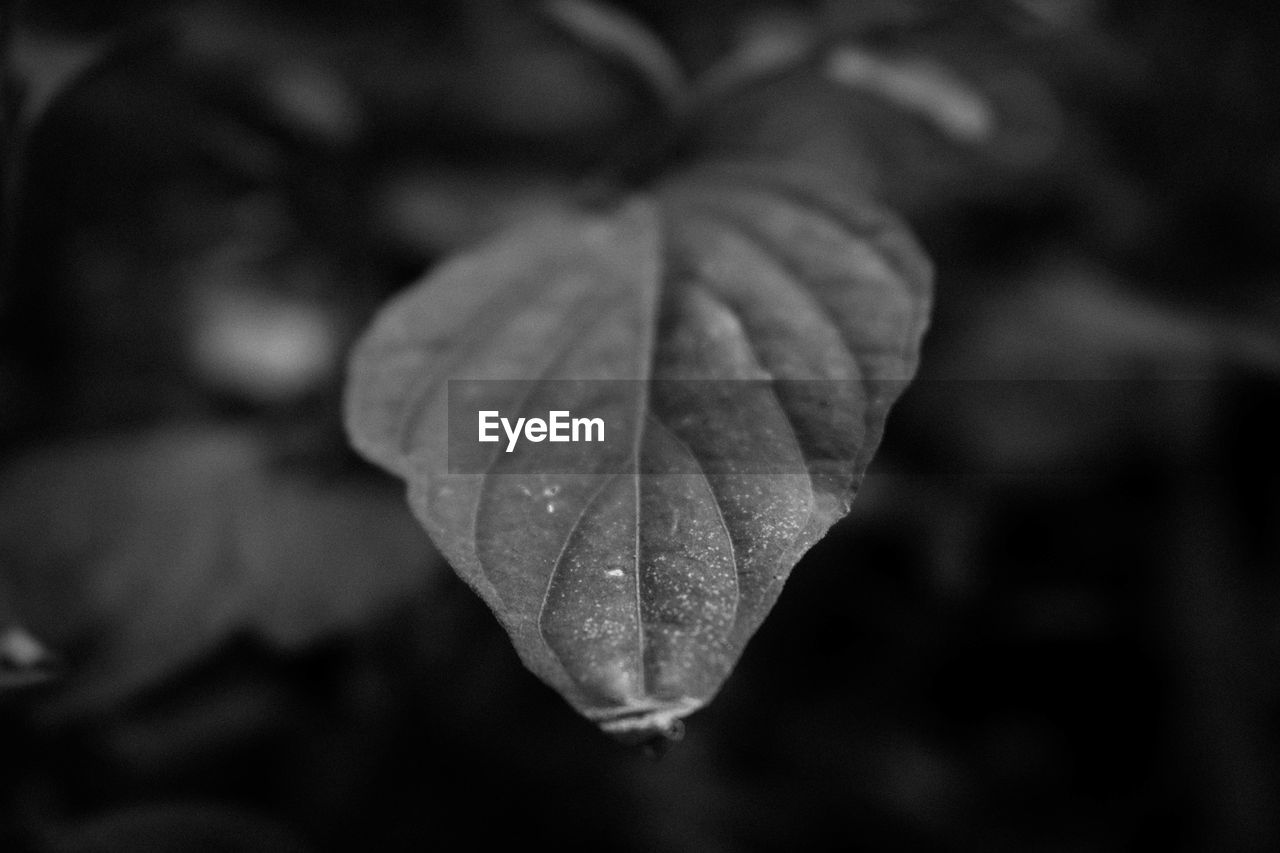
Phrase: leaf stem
(736, 73)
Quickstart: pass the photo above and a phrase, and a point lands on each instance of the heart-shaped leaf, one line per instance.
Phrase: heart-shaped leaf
(771, 318)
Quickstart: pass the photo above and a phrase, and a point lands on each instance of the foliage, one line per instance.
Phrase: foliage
(1045, 624)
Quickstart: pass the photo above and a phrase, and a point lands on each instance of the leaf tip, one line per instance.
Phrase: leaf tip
(654, 727)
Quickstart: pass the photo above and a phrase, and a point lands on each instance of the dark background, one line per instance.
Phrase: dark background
(1051, 623)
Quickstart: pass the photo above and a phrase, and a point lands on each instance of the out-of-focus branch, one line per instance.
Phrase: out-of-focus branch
(10, 128)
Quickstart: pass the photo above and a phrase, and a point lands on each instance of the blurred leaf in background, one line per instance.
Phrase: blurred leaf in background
(139, 555)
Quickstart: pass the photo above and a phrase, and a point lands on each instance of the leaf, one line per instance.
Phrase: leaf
(615, 33)
(47, 64)
(920, 128)
(632, 585)
(135, 556)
